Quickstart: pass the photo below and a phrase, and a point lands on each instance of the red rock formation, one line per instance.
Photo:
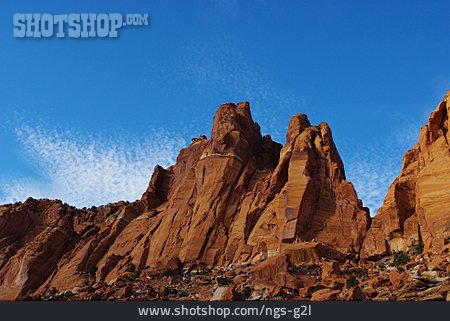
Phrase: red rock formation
(236, 198)
(313, 200)
(34, 237)
(416, 209)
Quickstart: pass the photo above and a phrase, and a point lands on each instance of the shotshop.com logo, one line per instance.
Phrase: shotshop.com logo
(74, 25)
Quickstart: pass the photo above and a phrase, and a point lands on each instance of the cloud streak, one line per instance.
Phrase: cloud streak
(372, 170)
(88, 171)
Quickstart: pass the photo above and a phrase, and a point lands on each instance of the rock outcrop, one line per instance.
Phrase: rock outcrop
(35, 236)
(239, 216)
(309, 196)
(415, 211)
(236, 198)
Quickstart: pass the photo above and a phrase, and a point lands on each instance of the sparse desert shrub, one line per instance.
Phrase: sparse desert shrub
(299, 268)
(68, 294)
(359, 272)
(223, 281)
(351, 281)
(92, 271)
(96, 297)
(168, 291)
(168, 272)
(244, 295)
(417, 248)
(137, 272)
(400, 258)
(151, 293)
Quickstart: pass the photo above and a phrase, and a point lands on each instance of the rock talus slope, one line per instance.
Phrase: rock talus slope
(236, 198)
(416, 209)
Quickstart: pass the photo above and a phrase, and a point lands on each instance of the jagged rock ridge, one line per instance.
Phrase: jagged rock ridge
(283, 217)
(237, 198)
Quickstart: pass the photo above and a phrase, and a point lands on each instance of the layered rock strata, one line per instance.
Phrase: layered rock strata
(237, 198)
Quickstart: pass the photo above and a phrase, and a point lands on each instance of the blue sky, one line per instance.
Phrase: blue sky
(86, 120)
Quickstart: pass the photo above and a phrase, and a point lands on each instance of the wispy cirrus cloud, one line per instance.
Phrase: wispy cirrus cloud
(86, 171)
(227, 74)
(271, 105)
(372, 170)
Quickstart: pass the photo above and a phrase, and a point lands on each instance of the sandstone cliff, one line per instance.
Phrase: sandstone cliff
(416, 209)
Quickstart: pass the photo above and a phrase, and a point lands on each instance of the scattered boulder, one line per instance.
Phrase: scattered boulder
(223, 293)
(330, 270)
(325, 295)
(397, 279)
(356, 294)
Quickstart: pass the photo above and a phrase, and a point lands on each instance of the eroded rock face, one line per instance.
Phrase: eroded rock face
(33, 237)
(236, 198)
(415, 210)
(313, 201)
